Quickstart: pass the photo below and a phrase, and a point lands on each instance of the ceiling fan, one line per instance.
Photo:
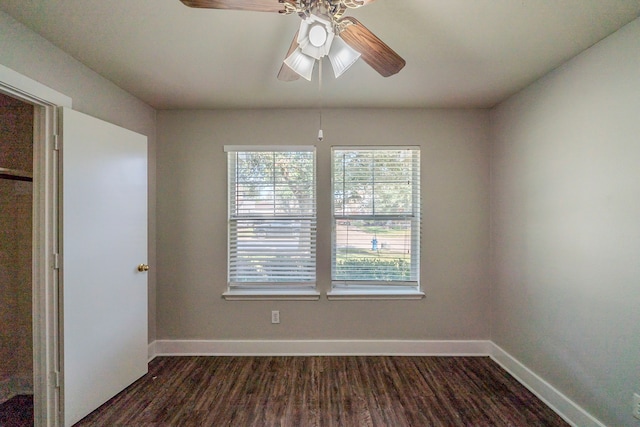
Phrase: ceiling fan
(324, 31)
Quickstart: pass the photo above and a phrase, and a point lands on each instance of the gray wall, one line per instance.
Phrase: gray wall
(566, 227)
(27, 53)
(192, 242)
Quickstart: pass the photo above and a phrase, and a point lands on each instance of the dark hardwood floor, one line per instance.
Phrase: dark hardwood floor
(17, 411)
(324, 391)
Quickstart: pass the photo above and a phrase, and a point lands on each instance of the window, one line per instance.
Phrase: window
(376, 222)
(272, 222)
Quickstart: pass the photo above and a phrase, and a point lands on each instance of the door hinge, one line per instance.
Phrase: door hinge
(55, 379)
(56, 142)
(56, 261)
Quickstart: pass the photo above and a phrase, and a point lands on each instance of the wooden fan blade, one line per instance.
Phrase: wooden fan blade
(276, 6)
(373, 50)
(286, 74)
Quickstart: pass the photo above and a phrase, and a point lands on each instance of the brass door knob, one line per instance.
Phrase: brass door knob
(143, 268)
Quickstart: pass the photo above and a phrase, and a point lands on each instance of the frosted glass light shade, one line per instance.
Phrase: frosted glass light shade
(342, 56)
(301, 63)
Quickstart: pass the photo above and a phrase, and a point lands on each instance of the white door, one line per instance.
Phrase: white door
(104, 239)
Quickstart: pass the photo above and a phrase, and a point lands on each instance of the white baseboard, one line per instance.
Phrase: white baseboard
(561, 404)
(151, 352)
(317, 348)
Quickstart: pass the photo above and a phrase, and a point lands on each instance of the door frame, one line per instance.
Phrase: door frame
(46, 241)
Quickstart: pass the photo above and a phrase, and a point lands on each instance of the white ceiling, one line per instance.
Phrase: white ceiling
(459, 53)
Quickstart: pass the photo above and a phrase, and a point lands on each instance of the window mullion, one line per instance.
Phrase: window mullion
(344, 181)
(373, 184)
(273, 181)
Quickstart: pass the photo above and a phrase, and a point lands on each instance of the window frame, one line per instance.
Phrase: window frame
(295, 290)
(379, 289)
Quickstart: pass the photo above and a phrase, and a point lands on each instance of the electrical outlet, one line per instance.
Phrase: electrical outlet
(275, 316)
(636, 405)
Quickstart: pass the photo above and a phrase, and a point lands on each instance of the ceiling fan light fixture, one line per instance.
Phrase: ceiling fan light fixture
(318, 35)
(315, 36)
(322, 21)
(342, 56)
(301, 63)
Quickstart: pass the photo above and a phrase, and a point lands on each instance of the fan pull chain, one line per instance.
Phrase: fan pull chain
(320, 133)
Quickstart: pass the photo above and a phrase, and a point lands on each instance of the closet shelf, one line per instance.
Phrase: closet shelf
(16, 174)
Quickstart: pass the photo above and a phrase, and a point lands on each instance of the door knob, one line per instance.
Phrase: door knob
(143, 267)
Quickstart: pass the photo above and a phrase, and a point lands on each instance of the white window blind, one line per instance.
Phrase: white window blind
(376, 218)
(272, 217)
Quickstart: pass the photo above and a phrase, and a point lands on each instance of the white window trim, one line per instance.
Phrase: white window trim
(375, 294)
(271, 295)
(268, 148)
(272, 291)
(373, 290)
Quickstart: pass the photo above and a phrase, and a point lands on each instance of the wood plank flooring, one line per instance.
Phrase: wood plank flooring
(324, 391)
(17, 411)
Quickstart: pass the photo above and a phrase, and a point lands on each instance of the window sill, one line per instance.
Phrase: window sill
(369, 294)
(276, 295)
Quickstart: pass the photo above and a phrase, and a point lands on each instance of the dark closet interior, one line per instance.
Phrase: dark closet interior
(16, 277)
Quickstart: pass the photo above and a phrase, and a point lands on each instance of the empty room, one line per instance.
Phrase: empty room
(320, 213)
